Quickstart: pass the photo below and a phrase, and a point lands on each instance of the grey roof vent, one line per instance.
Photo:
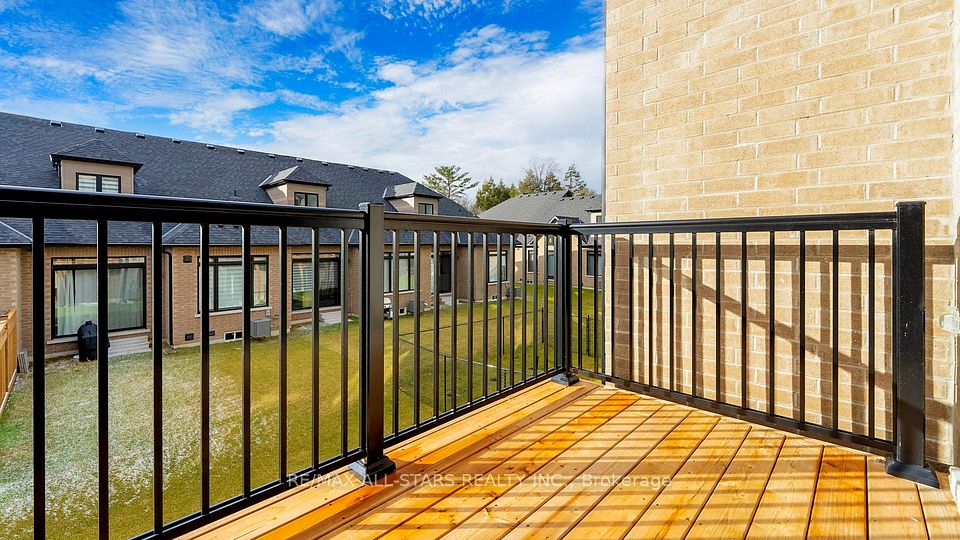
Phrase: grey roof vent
(241, 151)
(56, 123)
(271, 156)
(210, 146)
(175, 141)
(350, 166)
(324, 163)
(299, 160)
(99, 130)
(140, 136)
(366, 169)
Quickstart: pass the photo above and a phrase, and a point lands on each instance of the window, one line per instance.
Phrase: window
(425, 208)
(592, 259)
(226, 283)
(75, 294)
(302, 282)
(96, 182)
(407, 271)
(531, 260)
(496, 272)
(306, 199)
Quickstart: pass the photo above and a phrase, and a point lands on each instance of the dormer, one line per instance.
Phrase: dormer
(413, 198)
(95, 166)
(296, 186)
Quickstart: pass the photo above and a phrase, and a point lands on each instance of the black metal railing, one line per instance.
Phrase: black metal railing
(554, 320)
(658, 346)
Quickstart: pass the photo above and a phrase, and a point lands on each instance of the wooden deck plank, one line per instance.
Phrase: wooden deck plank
(458, 440)
(436, 521)
(940, 511)
(616, 513)
(519, 468)
(784, 510)
(730, 509)
(534, 447)
(461, 511)
(839, 507)
(561, 512)
(672, 513)
(893, 505)
(494, 517)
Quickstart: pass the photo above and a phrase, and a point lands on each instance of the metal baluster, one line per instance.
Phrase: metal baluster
(650, 351)
(719, 316)
(344, 335)
(453, 320)
(282, 346)
(630, 317)
(156, 333)
(204, 368)
(872, 334)
(512, 279)
(247, 270)
(536, 306)
(395, 312)
(470, 299)
(743, 320)
(673, 318)
(772, 330)
(38, 284)
(803, 326)
(416, 329)
(436, 324)
(835, 335)
(523, 308)
(499, 259)
(315, 355)
(693, 313)
(103, 381)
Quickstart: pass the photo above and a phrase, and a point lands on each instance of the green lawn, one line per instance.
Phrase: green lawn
(72, 427)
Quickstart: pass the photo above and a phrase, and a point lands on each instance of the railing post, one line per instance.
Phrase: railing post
(908, 346)
(375, 464)
(563, 289)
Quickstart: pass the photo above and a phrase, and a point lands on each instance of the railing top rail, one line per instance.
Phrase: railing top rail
(425, 222)
(822, 222)
(64, 204)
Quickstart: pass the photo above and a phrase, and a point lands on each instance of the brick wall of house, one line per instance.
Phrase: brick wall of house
(720, 108)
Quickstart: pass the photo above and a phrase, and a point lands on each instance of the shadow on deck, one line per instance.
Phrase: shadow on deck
(593, 462)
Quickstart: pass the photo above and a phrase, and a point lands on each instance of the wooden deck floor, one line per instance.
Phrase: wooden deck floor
(592, 462)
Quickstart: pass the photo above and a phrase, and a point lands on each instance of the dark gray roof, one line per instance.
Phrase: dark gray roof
(94, 150)
(545, 207)
(175, 168)
(410, 189)
(296, 174)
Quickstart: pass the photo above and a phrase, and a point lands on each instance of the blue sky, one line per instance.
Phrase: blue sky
(397, 84)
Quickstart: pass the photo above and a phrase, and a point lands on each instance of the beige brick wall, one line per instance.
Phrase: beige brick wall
(719, 108)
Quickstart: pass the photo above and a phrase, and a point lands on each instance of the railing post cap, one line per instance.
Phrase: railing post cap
(369, 206)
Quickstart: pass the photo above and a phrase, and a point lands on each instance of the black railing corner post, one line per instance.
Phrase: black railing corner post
(563, 290)
(375, 464)
(909, 318)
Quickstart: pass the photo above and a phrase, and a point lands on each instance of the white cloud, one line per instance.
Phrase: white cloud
(489, 113)
(290, 17)
(427, 9)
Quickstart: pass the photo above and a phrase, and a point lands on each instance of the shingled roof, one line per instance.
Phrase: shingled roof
(545, 207)
(173, 168)
(409, 189)
(94, 150)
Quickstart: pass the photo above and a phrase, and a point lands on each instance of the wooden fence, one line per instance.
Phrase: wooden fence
(8, 355)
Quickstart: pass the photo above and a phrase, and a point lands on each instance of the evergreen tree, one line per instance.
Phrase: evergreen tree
(492, 193)
(450, 182)
(573, 181)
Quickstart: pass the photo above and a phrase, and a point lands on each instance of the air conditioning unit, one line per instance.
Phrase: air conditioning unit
(260, 328)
